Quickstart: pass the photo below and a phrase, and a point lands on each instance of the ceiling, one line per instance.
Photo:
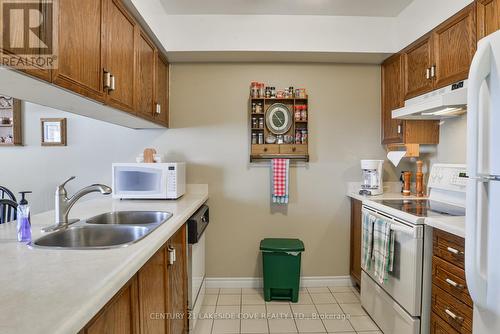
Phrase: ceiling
(384, 8)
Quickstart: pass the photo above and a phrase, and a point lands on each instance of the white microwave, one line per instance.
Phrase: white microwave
(149, 180)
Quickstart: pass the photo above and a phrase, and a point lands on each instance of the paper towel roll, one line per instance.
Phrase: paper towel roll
(395, 157)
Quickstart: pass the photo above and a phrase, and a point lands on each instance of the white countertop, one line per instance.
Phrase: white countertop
(59, 291)
(453, 225)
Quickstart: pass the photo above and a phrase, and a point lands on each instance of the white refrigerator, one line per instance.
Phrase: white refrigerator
(482, 242)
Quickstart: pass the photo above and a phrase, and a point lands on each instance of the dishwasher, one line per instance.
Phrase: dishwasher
(196, 226)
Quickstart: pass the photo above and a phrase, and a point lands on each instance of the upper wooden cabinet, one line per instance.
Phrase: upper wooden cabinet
(119, 55)
(146, 68)
(80, 68)
(395, 131)
(443, 56)
(392, 98)
(417, 64)
(454, 47)
(162, 89)
(488, 17)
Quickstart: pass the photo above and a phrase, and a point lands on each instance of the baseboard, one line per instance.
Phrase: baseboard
(256, 282)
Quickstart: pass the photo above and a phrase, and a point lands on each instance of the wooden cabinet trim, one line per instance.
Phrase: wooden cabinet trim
(355, 249)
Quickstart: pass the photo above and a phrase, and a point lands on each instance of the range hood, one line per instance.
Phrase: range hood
(447, 102)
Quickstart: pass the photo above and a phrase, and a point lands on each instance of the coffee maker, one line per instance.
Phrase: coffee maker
(372, 177)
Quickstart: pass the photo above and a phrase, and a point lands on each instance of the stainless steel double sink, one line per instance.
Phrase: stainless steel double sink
(108, 230)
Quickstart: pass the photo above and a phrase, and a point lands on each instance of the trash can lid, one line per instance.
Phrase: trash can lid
(284, 245)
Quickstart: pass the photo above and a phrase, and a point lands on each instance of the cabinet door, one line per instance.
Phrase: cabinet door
(162, 90)
(152, 282)
(177, 279)
(454, 47)
(392, 98)
(80, 68)
(356, 227)
(146, 65)
(119, 54)
(417, 63)
(120, 315)
(488, 17)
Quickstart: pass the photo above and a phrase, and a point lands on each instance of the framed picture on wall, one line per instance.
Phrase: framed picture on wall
(53, 131)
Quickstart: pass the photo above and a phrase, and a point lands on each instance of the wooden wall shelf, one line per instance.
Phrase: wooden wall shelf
(291, 150)
(10, 134)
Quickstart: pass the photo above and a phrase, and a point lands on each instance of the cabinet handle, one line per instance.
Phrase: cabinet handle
(453, 315)
(294, 149)
(265, 149)
(158, 108)
(112, 83)
(427, 73)
(454, 251)
(107, 79)
(454, 284)
(171, 255)
(433, 71)
(399, 129)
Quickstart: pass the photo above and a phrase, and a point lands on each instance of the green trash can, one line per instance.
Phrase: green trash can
(281, 268)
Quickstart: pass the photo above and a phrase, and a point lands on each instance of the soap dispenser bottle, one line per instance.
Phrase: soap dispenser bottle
(23, 219)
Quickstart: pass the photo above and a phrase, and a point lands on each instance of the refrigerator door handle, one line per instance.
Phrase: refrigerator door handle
(474, 243)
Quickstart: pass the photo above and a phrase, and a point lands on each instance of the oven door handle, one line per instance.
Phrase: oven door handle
(395, 226)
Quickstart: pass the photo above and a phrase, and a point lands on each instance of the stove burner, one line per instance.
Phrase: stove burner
(424, 207)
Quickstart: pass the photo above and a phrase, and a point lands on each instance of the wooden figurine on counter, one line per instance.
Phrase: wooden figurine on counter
(419, 179)
(407, 183)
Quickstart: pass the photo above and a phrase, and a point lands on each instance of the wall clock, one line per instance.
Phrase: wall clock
(278, 119)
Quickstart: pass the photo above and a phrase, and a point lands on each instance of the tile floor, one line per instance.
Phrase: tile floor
(319, 310)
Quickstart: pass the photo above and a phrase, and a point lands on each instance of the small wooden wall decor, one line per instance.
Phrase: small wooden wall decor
(278, 122)
(10, 121)
(53, 131)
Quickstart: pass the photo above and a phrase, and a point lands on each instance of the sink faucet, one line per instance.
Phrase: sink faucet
(64, 204)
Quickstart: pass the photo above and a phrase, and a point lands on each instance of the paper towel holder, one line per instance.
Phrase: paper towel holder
(412, 150)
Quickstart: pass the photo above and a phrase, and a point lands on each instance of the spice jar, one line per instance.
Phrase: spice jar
(261, 138)
(298, 137)
(261, 123)
(304, 137)
(254, 138)
(261, 89)
(258, 108)
(254, 106)
(254, 122)
(297, 113)
(303, 113)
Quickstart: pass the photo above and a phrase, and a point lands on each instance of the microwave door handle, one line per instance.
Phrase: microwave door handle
(474, 245)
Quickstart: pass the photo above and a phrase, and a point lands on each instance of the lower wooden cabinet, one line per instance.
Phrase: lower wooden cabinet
(120, 315)
(356, 228)
(154, 300)
(451, 303)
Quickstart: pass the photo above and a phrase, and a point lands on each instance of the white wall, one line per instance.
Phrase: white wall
(92, 147)
(295, 33)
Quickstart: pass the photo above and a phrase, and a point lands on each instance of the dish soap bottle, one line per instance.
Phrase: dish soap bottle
(23, 219)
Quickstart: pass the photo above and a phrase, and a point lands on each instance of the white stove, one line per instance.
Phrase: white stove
(402, 304)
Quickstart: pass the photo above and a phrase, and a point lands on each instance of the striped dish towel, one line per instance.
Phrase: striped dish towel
(367, 241)
(279, 180)
(383, 250)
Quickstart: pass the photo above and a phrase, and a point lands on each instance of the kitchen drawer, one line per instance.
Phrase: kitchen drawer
(265, 149)
(451, 279)
(451, 310)
(439, 326)
(293, 149)
(449, 247)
